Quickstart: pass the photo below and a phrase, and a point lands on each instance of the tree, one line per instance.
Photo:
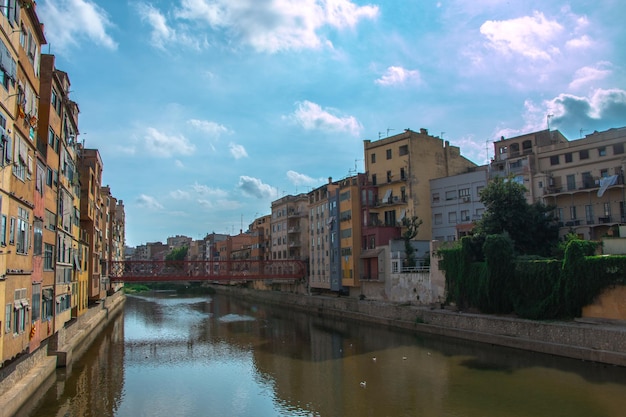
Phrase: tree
(411, 226)
(530, 226)
(177, 254)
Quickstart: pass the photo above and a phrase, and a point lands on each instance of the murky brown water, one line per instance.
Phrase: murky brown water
(176, 356)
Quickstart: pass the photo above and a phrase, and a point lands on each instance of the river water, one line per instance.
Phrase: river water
(169, 355)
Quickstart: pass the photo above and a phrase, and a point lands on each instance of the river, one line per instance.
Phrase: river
(169, 355)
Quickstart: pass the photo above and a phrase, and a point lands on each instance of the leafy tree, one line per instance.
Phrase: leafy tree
(177, 254)
(530, 226)
(411, 226)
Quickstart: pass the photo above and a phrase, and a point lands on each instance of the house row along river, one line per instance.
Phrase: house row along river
(220, 355)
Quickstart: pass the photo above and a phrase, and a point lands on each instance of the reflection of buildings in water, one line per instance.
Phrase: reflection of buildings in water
(93, 385)
(329, 364)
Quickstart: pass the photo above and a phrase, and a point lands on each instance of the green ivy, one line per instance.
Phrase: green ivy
(538, 289)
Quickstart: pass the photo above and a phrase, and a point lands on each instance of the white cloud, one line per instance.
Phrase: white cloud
(180, 195)
(311, 116)
(529, 36)
(160, 144)
(88, 22)
(164, 35)
(277, 25)
(301, 179)
(579, 43)
(256, 188)
(213, 129)
(179, 164)
(586, 75)
(206, 191)
(398, 75)
(148, 202)
(237, 151)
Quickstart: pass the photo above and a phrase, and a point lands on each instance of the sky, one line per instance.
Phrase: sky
(206, 111)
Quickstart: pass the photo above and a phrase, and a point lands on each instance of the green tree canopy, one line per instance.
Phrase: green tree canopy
(177, 254)
(530, 226)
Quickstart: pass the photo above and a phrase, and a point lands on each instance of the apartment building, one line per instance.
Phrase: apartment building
(324, 262)
(91, 207)
(289, 227)
(583, 178)
(262, 226)
(350, 233)
(22, 37)
(400, 167)
(178, 241)
(455, 204)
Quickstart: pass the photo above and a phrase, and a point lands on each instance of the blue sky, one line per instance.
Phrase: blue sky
(205, 111)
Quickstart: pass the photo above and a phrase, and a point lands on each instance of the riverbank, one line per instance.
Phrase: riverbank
(23, 379)
(600, 341)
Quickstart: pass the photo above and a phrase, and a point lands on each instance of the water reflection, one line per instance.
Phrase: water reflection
(223, 356)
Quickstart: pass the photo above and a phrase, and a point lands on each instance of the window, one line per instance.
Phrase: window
(23, 230)
(554, 160)
(435, 197)
(571, 182)
(38, 237)
(584, 154)
(479, 190)
(12, 232)
(589, 214)
(464, 192)
(389, 176)
(602, 151)
(618, 149)
(388, 153)
(568, 157)
(572, 212)
(19, 167)
(438, 218)
(48, 251)
(36, 301)
(404, 150)
(55, 101)
(345, 233)
(373, 179)
(450, 195)
(452, 217)
(402, 174)
(465, 215)
(604, 173)
(47, 297)
(373, 158)
(390, 218)
(7, 318)
(3, 231)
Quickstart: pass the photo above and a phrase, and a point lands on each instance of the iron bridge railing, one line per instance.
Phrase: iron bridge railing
(231, 270)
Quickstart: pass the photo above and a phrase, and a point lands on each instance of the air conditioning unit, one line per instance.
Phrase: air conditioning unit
(466, 199)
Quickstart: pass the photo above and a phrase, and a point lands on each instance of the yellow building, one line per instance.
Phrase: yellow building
(350, 235)
(22, 38)
(400, 167)
(583, 178)
(91, 212)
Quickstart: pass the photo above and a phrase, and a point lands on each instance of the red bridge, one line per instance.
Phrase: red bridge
(216, 271)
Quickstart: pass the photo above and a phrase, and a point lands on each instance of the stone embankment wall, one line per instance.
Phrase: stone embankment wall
(20, 380)
(599, 341)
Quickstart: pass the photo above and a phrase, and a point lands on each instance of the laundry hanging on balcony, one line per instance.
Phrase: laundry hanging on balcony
(605, 183)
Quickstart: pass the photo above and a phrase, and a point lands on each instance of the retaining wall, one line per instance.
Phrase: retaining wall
(599, 341)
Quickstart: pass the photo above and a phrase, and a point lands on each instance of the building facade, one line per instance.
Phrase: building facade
(455, 204)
